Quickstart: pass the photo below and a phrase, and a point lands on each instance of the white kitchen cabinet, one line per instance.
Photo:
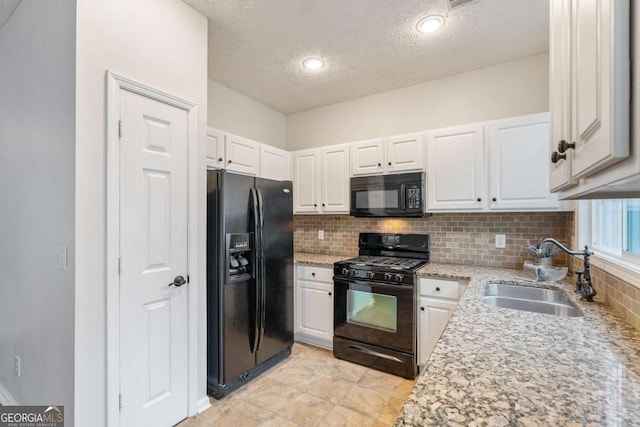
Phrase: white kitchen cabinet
(367, 157)
(274, 163)
(456, 168)
(560, 93)
(590, 106)
(243, 155)
(334, 179)
(600, 84)
(395, 154)
(497, 165)
(215, 149)
(438, 300)
(405, 153)
(306, 181)
(321, 180)
(314, 305)
(519, 163)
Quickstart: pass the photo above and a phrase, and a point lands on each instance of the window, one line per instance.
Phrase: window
(612, 227)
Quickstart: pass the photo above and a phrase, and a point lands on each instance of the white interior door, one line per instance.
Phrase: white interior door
(153, 252)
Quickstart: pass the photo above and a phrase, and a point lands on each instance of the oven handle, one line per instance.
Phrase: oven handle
(403, 197)
(374, 353)
(347, 282)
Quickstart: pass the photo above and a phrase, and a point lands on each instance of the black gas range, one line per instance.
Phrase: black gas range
(374, 304)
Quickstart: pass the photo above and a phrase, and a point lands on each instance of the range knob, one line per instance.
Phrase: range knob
(353, 272)
(387, 276)
(399, 277)
(370, 274)
(345, 271)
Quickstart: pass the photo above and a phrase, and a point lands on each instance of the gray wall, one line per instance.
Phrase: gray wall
(37, 149)
(504, 90)
(161, 43)
(233, 112)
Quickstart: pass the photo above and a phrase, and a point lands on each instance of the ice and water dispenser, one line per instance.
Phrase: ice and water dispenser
(240, 256)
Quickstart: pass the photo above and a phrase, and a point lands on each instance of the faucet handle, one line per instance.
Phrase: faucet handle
(579, 280)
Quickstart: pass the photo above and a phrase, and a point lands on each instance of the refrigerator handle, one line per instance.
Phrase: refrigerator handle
(261, 265)
(257, 271)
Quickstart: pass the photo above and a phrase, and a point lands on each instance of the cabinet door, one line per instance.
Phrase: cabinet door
(306, 170)
(215, 149)
(274, 163)
(242, 155)
(455, 168)
(519, 163)
(560, 93)
(600, 84)
(434, 316)
(367, 157)
(314, 310)
(405, 153)
(335, 179)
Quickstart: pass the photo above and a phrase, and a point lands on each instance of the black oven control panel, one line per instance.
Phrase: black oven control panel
(402, 278)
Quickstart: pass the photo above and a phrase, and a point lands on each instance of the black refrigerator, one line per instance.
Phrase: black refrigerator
(249, 278)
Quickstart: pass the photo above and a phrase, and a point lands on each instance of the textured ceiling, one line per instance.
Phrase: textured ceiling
(370, 46)
(7, 7)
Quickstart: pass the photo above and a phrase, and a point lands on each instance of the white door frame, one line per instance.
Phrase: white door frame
(115, 84)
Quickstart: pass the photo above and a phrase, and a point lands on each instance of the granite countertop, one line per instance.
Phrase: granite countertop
(317, 259)
(496, 367)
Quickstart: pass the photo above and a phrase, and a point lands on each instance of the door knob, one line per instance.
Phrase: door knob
(178, 281)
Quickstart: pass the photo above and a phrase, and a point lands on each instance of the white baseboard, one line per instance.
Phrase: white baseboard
(5, 397)
(318, 342)
(203, 404)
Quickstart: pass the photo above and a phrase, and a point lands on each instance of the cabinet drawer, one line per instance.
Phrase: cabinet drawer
(310, 272)
(440, 288)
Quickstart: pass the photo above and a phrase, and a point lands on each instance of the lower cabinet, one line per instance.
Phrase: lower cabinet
(438, 299)
(314, 305)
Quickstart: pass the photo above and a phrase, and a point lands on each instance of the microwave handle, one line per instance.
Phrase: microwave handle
(403, 197)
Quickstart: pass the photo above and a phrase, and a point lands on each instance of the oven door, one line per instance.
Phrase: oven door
(375, 313)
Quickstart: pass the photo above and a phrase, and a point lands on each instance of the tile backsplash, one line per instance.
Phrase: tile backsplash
(622, 296)
(456, 238)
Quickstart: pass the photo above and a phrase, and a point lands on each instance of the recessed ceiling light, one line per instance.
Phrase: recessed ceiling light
(313, 64)
(430, 24)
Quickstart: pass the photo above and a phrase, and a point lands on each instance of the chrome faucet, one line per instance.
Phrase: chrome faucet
(583, 285)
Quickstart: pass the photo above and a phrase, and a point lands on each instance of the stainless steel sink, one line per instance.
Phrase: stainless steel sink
(528, 298)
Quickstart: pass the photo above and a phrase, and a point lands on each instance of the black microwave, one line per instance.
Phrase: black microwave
(400, 195)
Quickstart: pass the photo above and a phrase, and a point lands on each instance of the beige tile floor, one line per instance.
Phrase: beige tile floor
(310, 388)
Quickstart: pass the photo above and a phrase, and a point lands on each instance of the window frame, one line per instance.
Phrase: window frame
(624, 265)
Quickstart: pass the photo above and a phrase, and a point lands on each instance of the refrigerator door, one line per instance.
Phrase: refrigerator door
(277, 246)
(231, 303)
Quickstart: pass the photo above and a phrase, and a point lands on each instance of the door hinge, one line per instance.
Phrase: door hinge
(119, 128)
(120, 401)
(119, 265)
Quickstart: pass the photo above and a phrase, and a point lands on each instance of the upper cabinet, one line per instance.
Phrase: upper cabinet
(247, 157)
(499, 165)
(600, 84)
(456, 168)
(518, 163)
(243, 155)
(215, 149)
(402, 153)
(590, 93)
(321, 180)
(367, 157)
(405, 153)
(560, 93)
(274, 163)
